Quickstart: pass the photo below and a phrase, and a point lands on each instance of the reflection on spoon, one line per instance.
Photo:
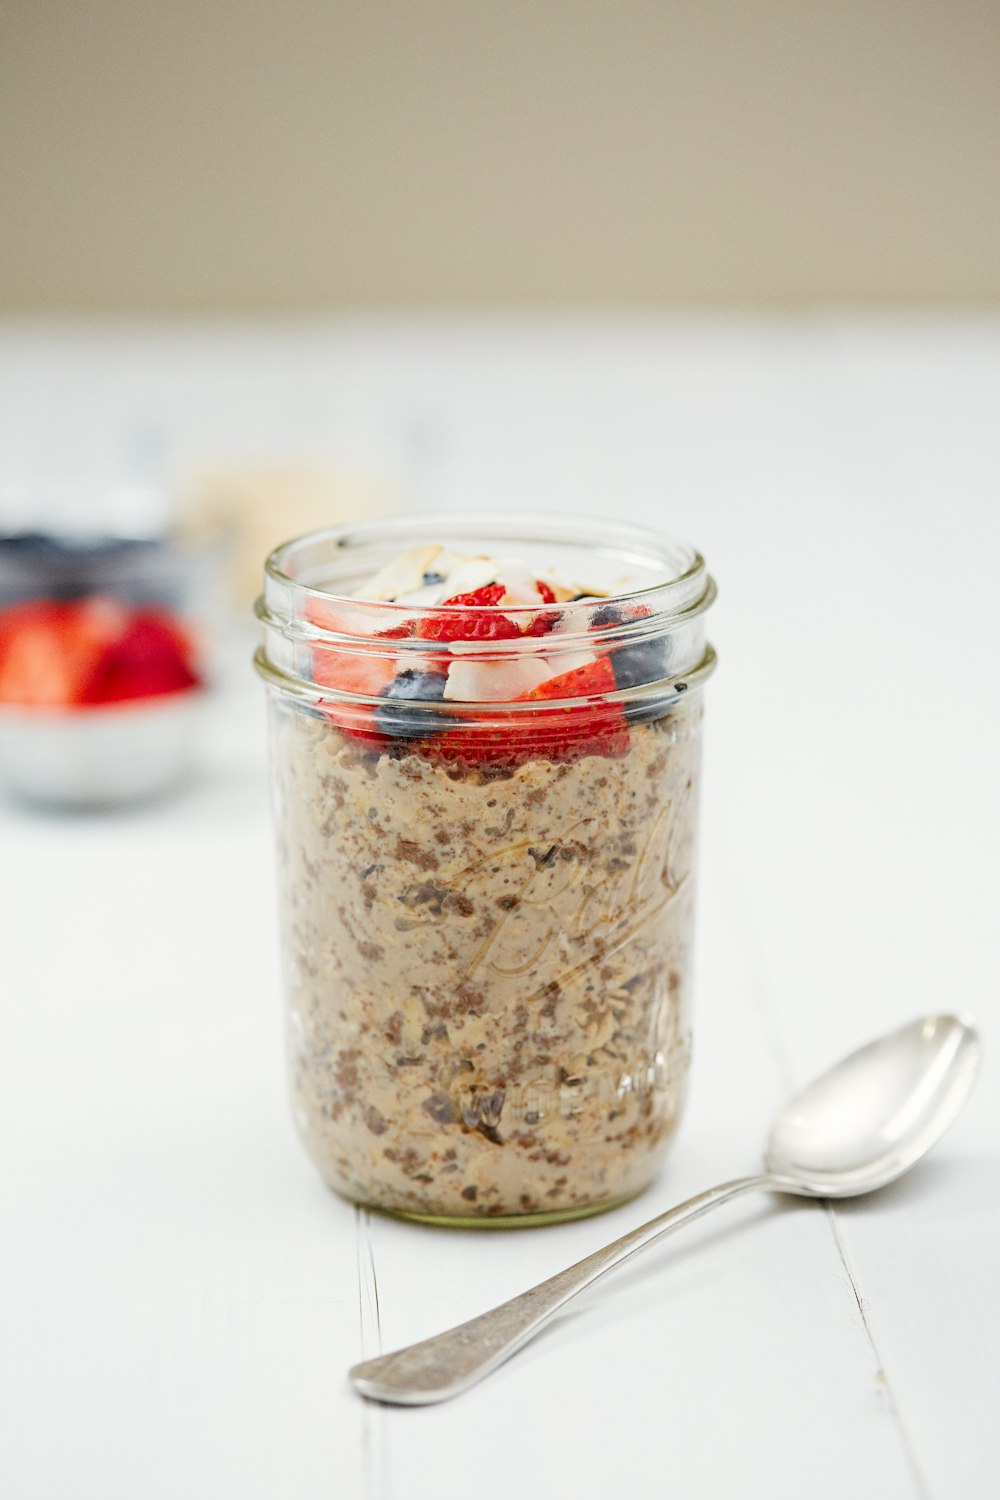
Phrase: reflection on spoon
(855, 1128)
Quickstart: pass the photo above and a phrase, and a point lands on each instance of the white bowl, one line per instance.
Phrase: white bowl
(99, 755)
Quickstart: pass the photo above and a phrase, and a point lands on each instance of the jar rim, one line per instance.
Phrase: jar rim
(688, 582)
(302, 614)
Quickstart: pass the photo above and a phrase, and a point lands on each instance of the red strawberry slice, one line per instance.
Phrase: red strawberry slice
(48, 653)
(362, 672)
(326, 615)
(480, 619)
(487, 596)
(151, 656)
(475, 618)
(578, 730)
(542, 624)
(366, 672)
(559, 734)
(590, 681)
(341, 618)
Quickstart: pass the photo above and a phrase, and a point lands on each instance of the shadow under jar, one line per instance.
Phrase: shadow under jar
(487, 905)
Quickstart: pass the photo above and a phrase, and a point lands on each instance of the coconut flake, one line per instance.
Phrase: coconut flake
(467, 574)
(494, 681)
(519, 584)
(402, 575)
(570, 662)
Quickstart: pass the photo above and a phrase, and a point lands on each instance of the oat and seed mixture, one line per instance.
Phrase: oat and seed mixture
(488, 975)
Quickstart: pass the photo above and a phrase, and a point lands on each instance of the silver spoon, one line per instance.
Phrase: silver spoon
(855, 1128)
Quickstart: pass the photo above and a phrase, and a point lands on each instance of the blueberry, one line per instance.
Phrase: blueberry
(400, 716)
(645, 661)
(637, 664)
(608, 614)
(432, 577)
(30, 541)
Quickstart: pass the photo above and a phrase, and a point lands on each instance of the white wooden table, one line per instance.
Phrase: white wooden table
(181, 1297)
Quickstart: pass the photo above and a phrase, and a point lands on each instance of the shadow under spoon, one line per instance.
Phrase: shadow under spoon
(857, 1127)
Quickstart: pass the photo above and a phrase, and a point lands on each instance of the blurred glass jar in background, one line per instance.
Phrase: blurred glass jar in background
(256, 505)
(104, 662)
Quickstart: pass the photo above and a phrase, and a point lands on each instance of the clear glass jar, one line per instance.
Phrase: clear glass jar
(487, 906)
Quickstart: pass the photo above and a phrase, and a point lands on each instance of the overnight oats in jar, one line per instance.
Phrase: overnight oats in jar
(485, 749)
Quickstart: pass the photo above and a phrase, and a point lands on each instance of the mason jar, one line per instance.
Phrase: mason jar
(487, 903)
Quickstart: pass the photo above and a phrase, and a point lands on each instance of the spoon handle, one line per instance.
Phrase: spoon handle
(450, 1362)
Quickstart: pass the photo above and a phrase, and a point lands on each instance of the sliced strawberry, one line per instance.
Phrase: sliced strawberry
(481, 620)
(365, 672)
(543, 623)
(590, 681)
(598, 729)
(49, 652)
(476, 745)
(326, 614)
(560, 734)
(151, 656)
(355, 719)
(486, 597)
(397, 632)
(362, 672)
(475, 617)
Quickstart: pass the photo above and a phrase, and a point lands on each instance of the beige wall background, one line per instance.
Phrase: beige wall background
(287, 155)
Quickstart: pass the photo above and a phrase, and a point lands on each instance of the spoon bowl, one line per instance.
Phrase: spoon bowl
(869, 1118)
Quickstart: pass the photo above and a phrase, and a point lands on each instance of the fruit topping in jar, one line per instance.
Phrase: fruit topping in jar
(461, 606)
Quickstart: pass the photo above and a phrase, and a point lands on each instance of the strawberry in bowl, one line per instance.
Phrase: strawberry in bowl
(98, 699)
